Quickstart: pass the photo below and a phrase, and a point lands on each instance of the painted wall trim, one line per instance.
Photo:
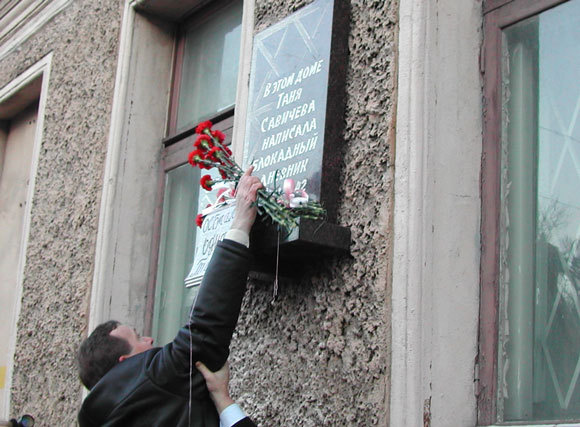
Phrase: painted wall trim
(97, 303)
(41, 68)
(435, 296)
(37, 15)
(407, 387)
(243, 88)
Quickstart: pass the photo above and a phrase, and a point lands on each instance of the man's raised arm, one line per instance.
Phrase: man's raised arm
(217, 307)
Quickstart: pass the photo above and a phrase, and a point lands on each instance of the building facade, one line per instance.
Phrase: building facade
(457, 181)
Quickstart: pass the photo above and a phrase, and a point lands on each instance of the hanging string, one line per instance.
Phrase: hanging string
(190, 360)
(277, 263)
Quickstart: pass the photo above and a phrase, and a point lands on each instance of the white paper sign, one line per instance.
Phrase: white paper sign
(215, 225)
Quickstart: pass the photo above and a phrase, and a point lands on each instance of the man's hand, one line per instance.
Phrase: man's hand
(246, 196)
(217, 384)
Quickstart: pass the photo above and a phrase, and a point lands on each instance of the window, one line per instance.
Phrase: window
(205, 77)
(530, 334)
(16, 153)
(208, 52)
(22, 107)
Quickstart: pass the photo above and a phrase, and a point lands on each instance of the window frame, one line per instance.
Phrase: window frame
(32, 84)
(197, 17)
(498, 14)
(139, 121)
(173, 156)
(176, 145)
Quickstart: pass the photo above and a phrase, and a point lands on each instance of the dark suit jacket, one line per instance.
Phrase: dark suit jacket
(153, 388)
(246, 422)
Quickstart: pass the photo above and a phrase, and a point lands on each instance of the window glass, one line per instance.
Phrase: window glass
(207, 88)
(539, 339)
(172, 298)
(183, 200)
(210, 66)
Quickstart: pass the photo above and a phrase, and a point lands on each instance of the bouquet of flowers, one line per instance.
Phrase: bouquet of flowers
(284, 206)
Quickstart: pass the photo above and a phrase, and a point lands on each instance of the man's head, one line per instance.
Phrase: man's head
(109, 344)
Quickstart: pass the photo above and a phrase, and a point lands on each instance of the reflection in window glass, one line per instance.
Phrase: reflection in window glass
(210, 66)
(539, 341)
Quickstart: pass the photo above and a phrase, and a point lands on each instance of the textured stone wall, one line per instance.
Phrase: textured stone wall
(84, 41)
(320, 354)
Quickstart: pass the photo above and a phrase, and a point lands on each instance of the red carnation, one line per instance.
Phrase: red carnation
(195, 157)
(206, 182)
(199, 220)
(223, 174)
(202, 142)
(211, 154)
(228, 151)
(219, 135)
(203, 126)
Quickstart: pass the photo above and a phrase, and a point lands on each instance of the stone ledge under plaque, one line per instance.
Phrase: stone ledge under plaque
(308, 242)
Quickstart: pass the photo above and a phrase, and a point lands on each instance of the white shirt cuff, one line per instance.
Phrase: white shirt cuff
(238, 236)
(231, 415)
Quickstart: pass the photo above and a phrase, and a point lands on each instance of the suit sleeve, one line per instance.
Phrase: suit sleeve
(246, 422)
(216, 309)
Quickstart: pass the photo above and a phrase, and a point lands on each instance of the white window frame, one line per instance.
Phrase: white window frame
(30, 85)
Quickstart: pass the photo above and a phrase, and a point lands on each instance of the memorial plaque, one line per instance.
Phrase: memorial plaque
(296, 101)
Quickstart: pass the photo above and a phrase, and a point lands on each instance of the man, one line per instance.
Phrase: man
(134, 384)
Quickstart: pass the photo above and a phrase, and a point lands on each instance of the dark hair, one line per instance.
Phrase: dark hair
(99, 353)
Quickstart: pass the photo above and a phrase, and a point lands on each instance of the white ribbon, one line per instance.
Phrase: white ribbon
(292, 197)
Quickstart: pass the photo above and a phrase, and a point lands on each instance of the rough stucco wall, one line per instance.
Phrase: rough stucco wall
(320, 354)
(60, 257)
